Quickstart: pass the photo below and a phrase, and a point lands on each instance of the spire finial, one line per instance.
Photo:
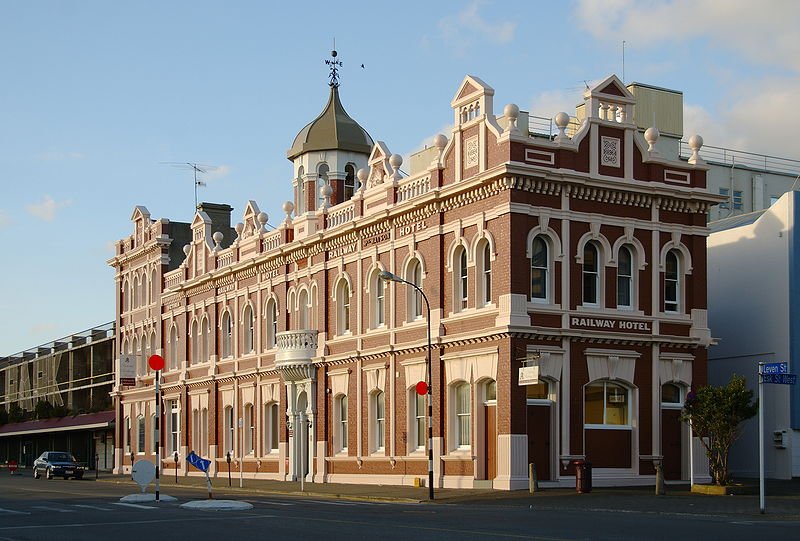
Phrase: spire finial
(335, 65)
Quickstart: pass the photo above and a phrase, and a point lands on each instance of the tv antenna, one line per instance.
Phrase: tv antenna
(196, 168)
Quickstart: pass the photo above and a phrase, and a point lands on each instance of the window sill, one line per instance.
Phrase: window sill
(608, 427)
(459, 454)
(675, 316)
(544, 306)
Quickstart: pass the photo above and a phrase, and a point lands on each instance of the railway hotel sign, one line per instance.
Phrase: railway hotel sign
(609, 324)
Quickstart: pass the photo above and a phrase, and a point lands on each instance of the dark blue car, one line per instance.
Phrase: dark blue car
(57, 463)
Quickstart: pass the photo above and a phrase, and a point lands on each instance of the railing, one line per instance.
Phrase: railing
(342, 214)
(225, 258)
(411, 188)
(173, 279)
(296, 346)
(540, 126)
(272, 241)
(740, 158)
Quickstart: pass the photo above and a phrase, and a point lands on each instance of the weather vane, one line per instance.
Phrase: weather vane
(335, 65)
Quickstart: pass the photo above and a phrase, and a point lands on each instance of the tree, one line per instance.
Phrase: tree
(716, 414)
(44, 409)
(15, 413)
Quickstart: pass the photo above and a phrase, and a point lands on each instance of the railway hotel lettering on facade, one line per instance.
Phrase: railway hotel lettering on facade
(581, 253)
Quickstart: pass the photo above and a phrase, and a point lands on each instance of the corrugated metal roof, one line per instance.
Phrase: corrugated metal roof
(735, 221)
(78, 422)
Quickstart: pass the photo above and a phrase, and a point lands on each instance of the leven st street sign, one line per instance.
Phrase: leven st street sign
(776, 368)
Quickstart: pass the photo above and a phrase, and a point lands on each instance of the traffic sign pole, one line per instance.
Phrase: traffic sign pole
(156, 362)
(761, 491)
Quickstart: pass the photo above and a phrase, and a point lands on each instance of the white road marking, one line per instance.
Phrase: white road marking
(269, 502)
(57, 509)
(12, 512)
(133, 505)
(96, 507)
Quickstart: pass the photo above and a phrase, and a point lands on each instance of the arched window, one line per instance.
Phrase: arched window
(174, 428)
(126, 436)
(672, 284)
(340, 429)
(226, 329)
(625, 278)
(540, 269)
(249, 330)
(194, 354)
(271, 423)
(349, 181)
(301, 191)
(204, 431)
(463, 415)
(414, 275)
(538, 391)
(484, 273)
(378, 301)
(671, 396)
(607, 403)
(272, 323)
(461, 289)
(126, 296)
(250, 430)
(173, 348)
(140, 434)
(302, 310)
(228, 430)
(591, 274)
(205, 341)
(378, 421)
(322, 180)
(140, 370)
(343, 305)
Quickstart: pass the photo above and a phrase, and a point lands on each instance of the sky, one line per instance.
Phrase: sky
(95, 96)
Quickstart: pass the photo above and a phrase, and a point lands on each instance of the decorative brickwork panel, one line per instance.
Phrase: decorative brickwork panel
(609, 152)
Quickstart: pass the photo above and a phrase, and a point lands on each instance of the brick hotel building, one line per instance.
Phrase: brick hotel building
(582, 254)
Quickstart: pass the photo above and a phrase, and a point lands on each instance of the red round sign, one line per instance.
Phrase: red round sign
(422, 388)
(156, 362)
(12, 465)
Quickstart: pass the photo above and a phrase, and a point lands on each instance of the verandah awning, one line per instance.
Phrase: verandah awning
(103, 419)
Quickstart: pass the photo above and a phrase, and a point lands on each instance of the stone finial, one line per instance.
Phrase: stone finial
(186, 249)
(288, 207)
(511, 112)
(439, 141)
(218, 236)
(562, 121)
(262, 220)
(239, 228)
(325, 192)
(651, 135)
(362, 175)
(396, 160)
(696, 143)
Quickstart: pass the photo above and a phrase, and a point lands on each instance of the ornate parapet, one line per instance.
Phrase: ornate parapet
(295, 351)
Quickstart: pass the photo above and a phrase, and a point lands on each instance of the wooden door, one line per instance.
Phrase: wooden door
(490, 442)
(539, 439)
(671, 431)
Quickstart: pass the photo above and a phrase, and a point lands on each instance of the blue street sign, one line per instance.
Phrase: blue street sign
(784, 379)
(776, 368)
(200, 463)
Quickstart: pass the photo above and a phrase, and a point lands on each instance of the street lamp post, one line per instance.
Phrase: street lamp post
(388, 276)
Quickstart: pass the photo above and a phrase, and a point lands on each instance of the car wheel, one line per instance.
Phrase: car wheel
(36, 474)
(48, 473)
(79, 476)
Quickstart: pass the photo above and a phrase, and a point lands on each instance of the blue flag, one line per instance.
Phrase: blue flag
(198, 462)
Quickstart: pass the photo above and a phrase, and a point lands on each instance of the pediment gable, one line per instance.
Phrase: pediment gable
(611, 86)
(470, 88)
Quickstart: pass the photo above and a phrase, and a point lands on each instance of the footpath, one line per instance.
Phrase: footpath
(782, 502)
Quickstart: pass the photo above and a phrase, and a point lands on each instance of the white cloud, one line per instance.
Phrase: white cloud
(468, 27)
(216, 173)
(47, 208)
(763, 32)
(5, 219)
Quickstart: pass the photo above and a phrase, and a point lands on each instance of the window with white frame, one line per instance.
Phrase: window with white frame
(418, 434)
(538, 391)
(140, 432)
(272, 323)
(322, 180)
(153, 441)
(301, 191)
(249, 330)
(340, 420)
(226, 328)
(205, 343)
(462, 286)
(349, 181)
(463, 415)
(671, 396)
(195, 434)
(194, 354)
(229, 426)
(173, 406)
(484, 271)
(378, 301)
(153, 287)
(540, 269)
(126, 436)
(591, 274)
(173, 348)
(672, 285)
(302, 309)
(415, 301)
(126, 296)
(606, 404)
(271, 423)
(204, 431)
(250, 430)
(625, 278)
(726, 192)
(379, 421)
(343, 307)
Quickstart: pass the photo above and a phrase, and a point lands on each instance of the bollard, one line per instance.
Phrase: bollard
(533, 481)
(660, 491)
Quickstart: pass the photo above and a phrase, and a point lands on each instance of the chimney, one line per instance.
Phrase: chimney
(220, 215)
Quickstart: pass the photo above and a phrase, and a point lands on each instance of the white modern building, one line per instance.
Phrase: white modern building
(754, 309)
